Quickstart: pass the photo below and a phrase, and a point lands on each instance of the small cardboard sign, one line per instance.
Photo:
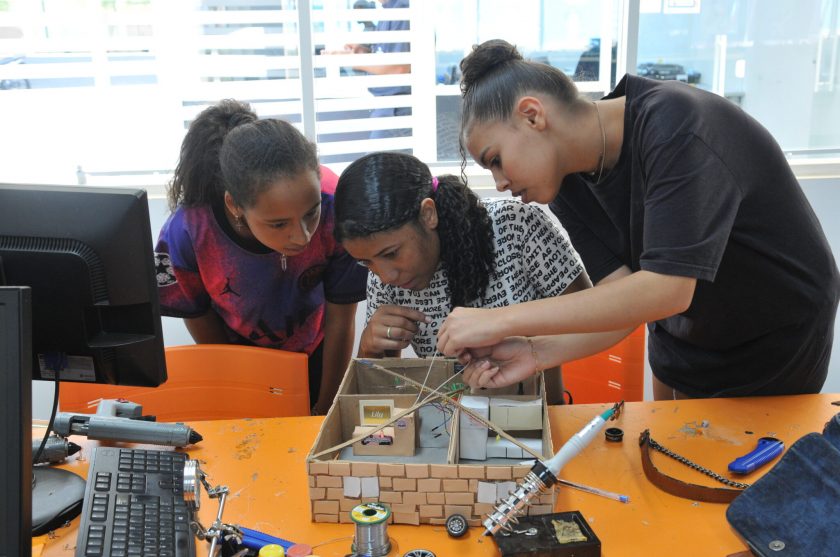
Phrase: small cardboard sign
(375, 412)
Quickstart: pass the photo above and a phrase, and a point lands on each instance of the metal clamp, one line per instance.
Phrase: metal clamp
(219, 531)
(618, 407)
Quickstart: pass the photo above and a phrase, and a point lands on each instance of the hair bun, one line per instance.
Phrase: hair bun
(485, 58)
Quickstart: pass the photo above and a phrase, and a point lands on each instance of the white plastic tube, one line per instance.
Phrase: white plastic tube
(577, 443)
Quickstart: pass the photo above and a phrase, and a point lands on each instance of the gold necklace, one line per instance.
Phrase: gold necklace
(603, 145)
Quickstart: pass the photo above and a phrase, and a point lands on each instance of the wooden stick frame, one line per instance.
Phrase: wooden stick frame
(434, 395)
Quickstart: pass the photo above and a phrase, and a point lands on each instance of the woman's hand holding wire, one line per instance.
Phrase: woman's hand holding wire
(500, 365)
(390, 328)
(467, 329)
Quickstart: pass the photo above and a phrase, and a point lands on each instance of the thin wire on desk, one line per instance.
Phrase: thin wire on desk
(333, 541)
(428, 372)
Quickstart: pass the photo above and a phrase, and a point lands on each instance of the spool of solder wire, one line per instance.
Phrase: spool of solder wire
(371, 538)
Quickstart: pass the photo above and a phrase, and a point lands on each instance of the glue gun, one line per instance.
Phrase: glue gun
(120, 420)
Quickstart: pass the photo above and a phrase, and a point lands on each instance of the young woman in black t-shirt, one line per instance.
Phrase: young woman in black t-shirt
(687, 217)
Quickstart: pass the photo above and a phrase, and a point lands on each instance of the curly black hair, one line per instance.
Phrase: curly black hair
(383, 191)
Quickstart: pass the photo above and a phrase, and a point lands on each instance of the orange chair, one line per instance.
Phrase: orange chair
(211, 382)
(615, 374)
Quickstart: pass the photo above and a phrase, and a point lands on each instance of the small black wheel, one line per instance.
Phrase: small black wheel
(456, 525)
(419, 553)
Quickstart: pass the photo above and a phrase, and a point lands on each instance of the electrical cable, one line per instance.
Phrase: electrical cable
(447, 415)
(436, 392)
(49, 424)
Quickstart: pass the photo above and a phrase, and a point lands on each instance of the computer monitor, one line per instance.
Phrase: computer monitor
(86, 256)
(86, 253)
(15, 422)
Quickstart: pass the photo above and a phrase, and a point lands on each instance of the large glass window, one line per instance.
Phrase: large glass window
(778, 60)
(101, 91)
(567, 35)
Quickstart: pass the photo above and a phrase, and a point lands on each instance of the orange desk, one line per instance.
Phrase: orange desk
(262, 462)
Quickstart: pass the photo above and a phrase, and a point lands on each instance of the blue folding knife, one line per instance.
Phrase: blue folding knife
(767, 449)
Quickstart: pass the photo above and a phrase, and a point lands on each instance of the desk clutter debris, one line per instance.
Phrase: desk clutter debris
(425, 457)
(558, 535)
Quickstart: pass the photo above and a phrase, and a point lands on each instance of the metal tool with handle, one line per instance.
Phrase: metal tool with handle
(767, 449)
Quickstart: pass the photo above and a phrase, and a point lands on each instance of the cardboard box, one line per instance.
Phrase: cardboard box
(413, 484)
(516, 413)
(502, 448)
(473, 434)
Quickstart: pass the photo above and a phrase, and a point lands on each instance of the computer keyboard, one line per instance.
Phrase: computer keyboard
(134, 505)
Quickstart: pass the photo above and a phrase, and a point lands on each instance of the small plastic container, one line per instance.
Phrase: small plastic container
(272, 550)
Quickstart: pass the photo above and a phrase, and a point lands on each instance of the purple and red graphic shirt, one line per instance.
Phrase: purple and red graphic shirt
(201, 266)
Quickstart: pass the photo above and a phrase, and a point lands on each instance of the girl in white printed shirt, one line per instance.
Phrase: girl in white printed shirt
(433, 245)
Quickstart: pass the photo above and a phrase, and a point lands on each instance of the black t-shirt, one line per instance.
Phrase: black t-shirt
(702, 190)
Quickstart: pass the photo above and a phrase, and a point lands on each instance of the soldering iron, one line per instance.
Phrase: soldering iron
(544, 475)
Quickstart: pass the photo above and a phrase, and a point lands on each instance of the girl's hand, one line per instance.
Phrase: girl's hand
(500, 365)
(390, 328)
(469, 328)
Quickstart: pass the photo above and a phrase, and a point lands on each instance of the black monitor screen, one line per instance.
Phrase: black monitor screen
(86, 253)
(15, 420)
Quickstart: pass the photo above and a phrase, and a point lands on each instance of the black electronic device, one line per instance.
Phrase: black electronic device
(135, 505)
(15, 421)
(85, 255)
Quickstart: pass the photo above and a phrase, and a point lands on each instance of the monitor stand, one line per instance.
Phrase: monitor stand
(57, 497)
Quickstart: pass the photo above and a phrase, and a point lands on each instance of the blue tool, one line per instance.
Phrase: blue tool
(252, 539)
(767, 449)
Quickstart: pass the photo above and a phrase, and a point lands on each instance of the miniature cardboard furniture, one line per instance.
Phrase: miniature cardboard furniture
(395, 440)
(437, 480)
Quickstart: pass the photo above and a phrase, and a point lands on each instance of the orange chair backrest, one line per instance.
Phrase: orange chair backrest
(615, 374)
(211, 382)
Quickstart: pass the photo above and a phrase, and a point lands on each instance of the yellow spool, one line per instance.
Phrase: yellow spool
(370, 513)
(272, 550)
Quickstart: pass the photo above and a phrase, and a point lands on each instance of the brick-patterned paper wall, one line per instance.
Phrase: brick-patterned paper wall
(416, 493)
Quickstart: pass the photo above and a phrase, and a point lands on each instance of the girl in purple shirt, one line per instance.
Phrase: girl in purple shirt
(248, 254)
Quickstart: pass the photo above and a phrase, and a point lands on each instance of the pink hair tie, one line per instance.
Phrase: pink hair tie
(434, 183)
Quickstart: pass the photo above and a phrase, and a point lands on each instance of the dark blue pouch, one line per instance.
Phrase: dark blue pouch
(794, 509)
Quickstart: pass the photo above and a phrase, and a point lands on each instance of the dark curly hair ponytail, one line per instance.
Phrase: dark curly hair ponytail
(466, 240)
(383, 191)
